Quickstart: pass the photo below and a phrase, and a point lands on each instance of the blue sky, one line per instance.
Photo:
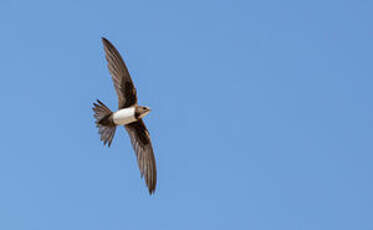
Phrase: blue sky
(262, 115)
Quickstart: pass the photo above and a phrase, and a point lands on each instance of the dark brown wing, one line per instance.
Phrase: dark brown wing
(142, 145)
(123, 84)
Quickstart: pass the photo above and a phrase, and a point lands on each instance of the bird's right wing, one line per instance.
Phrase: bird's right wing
(142, 145)
(123, 84)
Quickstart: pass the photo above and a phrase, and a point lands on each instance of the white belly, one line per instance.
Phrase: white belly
(124, 116)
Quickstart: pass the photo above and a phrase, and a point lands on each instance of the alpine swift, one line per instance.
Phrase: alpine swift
(129, 115)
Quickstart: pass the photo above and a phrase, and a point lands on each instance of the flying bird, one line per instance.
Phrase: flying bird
(129, 114)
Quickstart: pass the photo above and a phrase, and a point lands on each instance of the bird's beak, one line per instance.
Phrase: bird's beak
(147, 110)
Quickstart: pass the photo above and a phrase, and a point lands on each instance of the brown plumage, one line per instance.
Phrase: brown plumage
(142, 145)
(137, 130)
(123, 84)
(104, 122)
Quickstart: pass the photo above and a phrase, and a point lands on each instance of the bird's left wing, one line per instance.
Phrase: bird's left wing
(123, 84)
(142, 145)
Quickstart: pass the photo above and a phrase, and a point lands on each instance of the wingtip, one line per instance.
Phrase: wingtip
(151, 191)
(105, 41)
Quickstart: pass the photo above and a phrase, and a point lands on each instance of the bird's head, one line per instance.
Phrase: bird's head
(141, 111)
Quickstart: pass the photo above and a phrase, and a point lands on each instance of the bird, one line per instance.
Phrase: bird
(129, 114)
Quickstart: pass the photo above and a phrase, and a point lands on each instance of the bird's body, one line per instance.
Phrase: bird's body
(129, 114)
(124, 116)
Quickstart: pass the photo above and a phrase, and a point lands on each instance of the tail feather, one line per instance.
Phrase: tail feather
(104, 122)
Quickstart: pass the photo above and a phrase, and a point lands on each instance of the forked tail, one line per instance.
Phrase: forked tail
(104, 122)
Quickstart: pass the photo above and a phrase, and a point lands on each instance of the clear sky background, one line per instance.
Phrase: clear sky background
(262, 115)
